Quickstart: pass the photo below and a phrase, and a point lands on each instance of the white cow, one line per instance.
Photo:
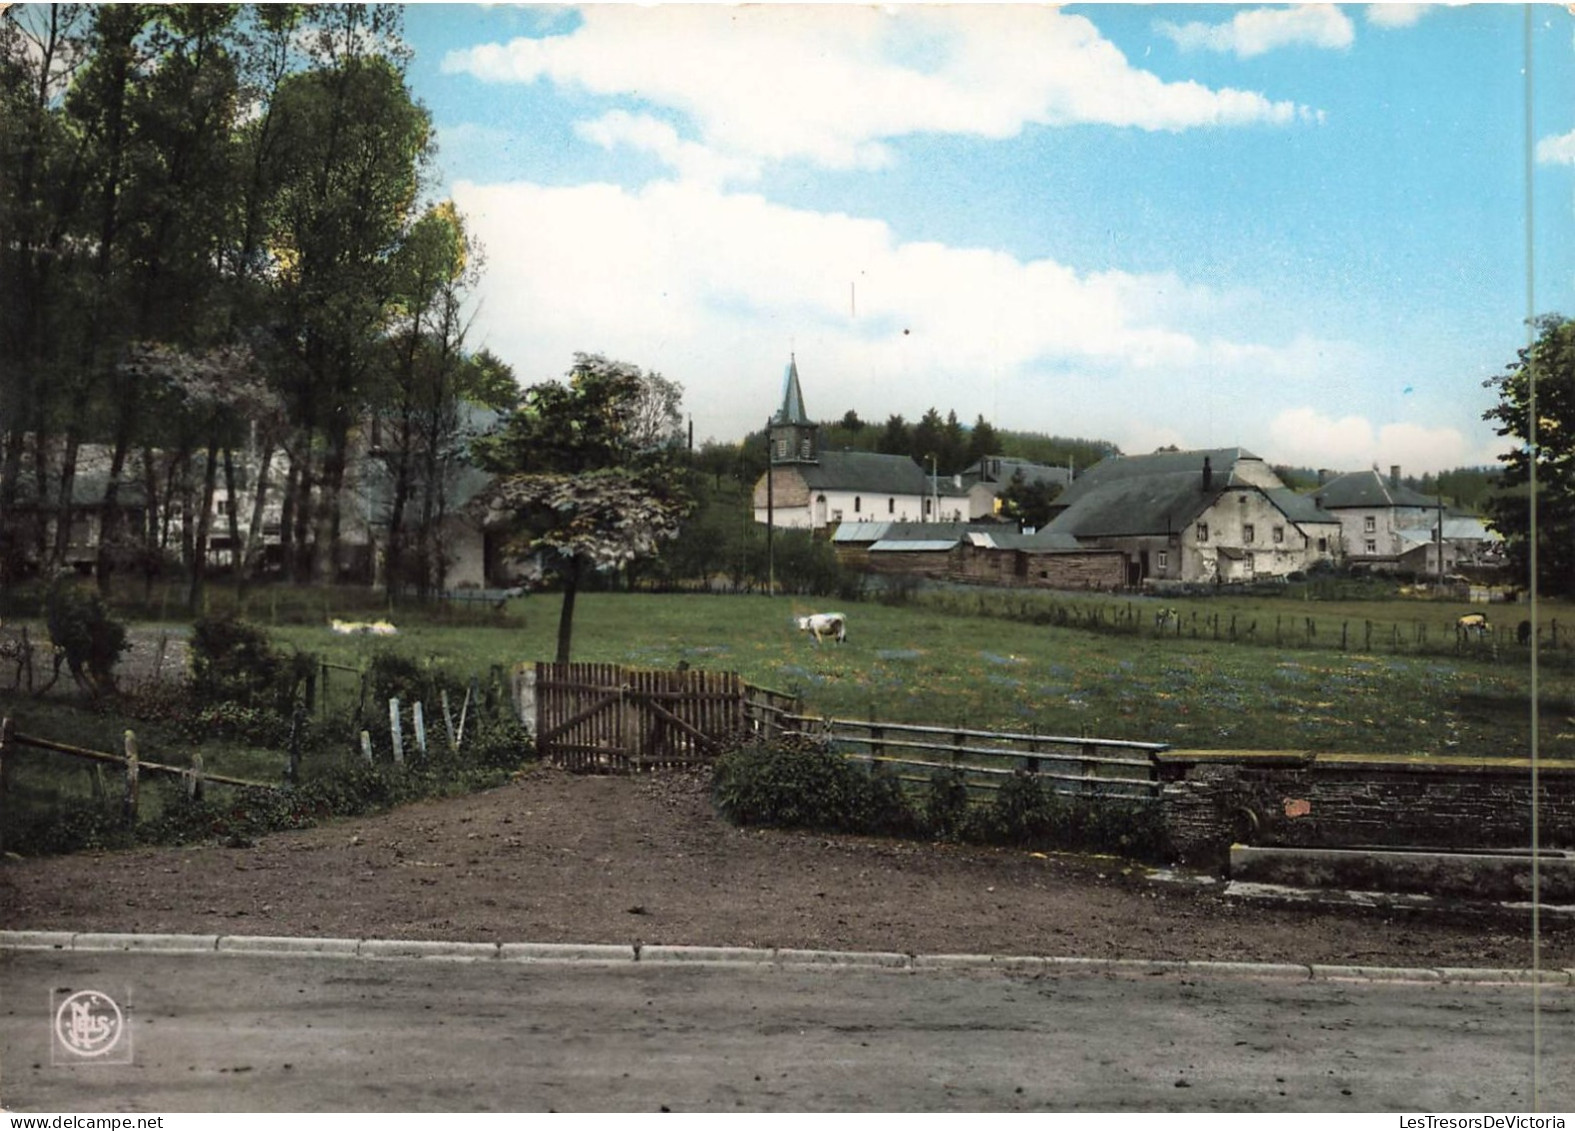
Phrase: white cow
(362, 628)
(820, 625)
(1473, 624)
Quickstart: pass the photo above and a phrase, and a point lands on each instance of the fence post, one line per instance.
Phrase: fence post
(420, 720)
(293, 773)
(448, 722)
(366, 746)
(128, 806)
(394, 732)
(194, 778)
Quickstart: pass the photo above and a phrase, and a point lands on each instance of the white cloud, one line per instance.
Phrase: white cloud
(1257, 31)
(832, 84)
(715, 289)
(1306, 437)
(1396, 15)
(651, 135)
(1558, 150)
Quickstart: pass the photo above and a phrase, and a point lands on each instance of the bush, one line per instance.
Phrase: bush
(797, 782)
(233, 662)
(946, 804)
(80, 625)
(1021, 813)
(391, 675)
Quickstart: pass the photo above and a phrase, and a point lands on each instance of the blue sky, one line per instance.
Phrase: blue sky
(1300, 230)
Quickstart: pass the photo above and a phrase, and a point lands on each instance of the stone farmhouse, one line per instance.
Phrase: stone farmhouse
(1171, 518)
(1187, 517)
(1386, 526)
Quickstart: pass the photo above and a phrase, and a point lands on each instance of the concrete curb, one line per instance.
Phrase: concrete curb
(699, 956)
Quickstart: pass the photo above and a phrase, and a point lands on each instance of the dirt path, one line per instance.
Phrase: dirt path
(553, 857)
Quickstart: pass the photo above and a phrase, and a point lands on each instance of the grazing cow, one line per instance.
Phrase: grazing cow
(1473, 624)
(820, 625)
(1523, 632)
(362, 628)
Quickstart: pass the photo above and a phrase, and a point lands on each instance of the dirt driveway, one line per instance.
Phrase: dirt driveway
(554, 857)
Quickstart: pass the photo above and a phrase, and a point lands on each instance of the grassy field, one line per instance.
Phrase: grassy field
(1043, 663)
(948, 665)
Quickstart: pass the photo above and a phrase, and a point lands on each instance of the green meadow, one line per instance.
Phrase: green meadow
(957, 659)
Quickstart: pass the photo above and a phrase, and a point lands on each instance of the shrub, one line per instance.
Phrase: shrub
(391, 675)
(233, 662)
(795, 782)
(1021, 813)
(946, 803)
(80, 625)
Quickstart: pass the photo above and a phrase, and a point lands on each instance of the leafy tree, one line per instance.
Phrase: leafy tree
(1027, 502)
(589, 480)
(1550, 359)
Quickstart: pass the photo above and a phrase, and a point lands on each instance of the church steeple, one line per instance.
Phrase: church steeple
(795, 438)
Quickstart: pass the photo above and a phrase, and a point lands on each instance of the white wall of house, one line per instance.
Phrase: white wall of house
(1260, 541)
(828, 507)
(1372, 534)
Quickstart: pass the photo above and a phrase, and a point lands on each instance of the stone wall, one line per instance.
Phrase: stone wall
(1212, 799)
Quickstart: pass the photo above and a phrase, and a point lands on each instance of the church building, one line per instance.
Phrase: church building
(807, 487)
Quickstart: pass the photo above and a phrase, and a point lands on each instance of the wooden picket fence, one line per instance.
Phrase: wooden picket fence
(603, 718)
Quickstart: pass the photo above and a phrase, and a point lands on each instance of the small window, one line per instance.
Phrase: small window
(1249, 533)
(1203, 532)
(926, 508)
(1163, 559)
(1279, 534)
(1323, 545)
(782, 449)
(804, 448)
(1369, 525)
(1371, 546)
(891, 506)
(858, 504)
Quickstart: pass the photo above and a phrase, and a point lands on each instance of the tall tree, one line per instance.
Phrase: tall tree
(1549, 360)
(351, 151)
(589, 482)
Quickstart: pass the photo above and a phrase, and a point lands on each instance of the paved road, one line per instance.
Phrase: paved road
(215, 1032)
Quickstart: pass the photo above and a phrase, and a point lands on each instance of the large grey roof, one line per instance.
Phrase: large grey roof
(1001, 469)
(1369, 489)
(1159, 494)
(1299, 508)
(865, 471)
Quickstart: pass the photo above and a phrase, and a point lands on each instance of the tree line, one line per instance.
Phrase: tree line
(223, 272)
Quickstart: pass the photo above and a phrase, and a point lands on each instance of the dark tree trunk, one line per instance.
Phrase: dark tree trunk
(571, 586)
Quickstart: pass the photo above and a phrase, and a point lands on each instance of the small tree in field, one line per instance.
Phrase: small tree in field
(588, 482)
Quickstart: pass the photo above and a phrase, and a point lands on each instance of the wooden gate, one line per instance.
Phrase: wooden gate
(602, 718)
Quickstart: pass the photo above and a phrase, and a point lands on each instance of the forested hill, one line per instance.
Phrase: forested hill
(954, 445)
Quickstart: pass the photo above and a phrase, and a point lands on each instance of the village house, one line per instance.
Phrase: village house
(1391, 528)
(1188, 517)
(985, 480)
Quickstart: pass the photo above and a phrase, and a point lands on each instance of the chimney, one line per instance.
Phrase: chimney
(1208, 474)
(1394, 475)
(1323, 476)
